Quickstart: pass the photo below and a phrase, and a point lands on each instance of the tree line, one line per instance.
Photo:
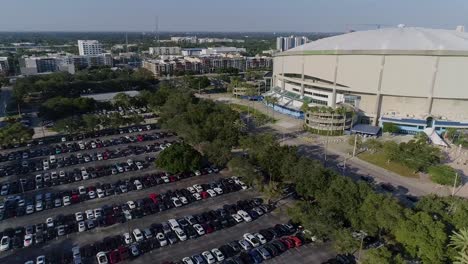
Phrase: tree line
(333, 207)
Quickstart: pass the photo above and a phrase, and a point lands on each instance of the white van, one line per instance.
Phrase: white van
(173, 224)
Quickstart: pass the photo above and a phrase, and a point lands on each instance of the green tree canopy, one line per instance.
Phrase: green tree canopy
(179, 158)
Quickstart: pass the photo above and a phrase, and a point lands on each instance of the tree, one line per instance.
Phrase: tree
(444, 174)
(69, 125)
(423, 237)
(14, 133)
(91, 122)
(123, 100)
(373, 145)
(344, 242)
(217, 152)
(179, 158)
(391, 128)
(382, 256)
(459, 242)
(243, 168)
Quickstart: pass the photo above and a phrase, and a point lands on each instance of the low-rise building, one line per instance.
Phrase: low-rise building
(4, 65)
(165, 51)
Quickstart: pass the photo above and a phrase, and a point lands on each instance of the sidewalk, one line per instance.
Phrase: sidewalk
(286, 124)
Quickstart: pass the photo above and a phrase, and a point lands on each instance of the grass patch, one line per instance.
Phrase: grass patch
(260, 118)
(380, 160)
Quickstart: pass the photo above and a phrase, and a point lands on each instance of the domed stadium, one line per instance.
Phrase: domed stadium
(415, 78)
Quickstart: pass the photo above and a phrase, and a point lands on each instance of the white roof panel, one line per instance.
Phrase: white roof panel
(400, 38)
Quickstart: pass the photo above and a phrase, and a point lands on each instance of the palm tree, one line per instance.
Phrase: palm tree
(459, 241)
(274, 100)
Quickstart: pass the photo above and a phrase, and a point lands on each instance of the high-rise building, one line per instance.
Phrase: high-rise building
(285, 43)
(89, 47)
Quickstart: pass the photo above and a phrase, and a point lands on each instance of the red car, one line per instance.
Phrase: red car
(296, 240)
(140, 138)
(288, 242)
(114, 256)
(123, 252)
(172, 178)
(204, 195)
(154, 198)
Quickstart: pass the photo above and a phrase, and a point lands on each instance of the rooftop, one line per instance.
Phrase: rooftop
(390, 40)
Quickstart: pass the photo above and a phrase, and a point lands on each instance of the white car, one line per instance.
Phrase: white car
(244, 215)
(81, 226)
(260, 238)
(218, 190)
(138, 235)
(183, 200)
(251, 239)
(102, 258)
(217, 254)
(61, 174)
(92, 194)
(199, 229)
(242, 185)
(39, 206)
(79, 216)
(97, 212)
(131, 204)
(191, 189)
(187, 260)
(50, 222)
(30, 209)
(197, 173)
(197, 196)
(180, 234)
(138, 185)
(99, 156)
(211, 192)
(165, 179)
(5, 243)
(130, 162)
(93, 145)
(41, 260)
(208, 257)
(162, 239)
(81, 190)
(127, 238)
(81, 145)
(100, 193)
(139, 165)
(237, 218)
(28, 240)
(89, 214)
(198, 188)
(176, 202)
(87, 159)
(66, 200)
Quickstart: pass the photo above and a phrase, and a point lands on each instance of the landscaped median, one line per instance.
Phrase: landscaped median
(408, 159)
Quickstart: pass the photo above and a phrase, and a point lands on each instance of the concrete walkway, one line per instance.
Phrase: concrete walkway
(313, 146)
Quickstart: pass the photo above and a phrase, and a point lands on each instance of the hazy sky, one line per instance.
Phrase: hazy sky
(227, 15)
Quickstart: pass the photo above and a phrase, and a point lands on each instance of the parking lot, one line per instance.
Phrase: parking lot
(108, 188)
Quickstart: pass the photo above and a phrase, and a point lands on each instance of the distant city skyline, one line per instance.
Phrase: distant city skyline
(224, 16)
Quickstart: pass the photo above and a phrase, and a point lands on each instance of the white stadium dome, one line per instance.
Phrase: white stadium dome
(401, 73)
(392, 39)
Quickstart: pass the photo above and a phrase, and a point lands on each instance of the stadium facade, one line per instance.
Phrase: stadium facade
(416, 78)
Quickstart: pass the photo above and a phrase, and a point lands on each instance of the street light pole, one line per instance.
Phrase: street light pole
(355, 145)
(454, 184)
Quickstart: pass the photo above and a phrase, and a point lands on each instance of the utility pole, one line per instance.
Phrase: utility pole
(355, 145)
